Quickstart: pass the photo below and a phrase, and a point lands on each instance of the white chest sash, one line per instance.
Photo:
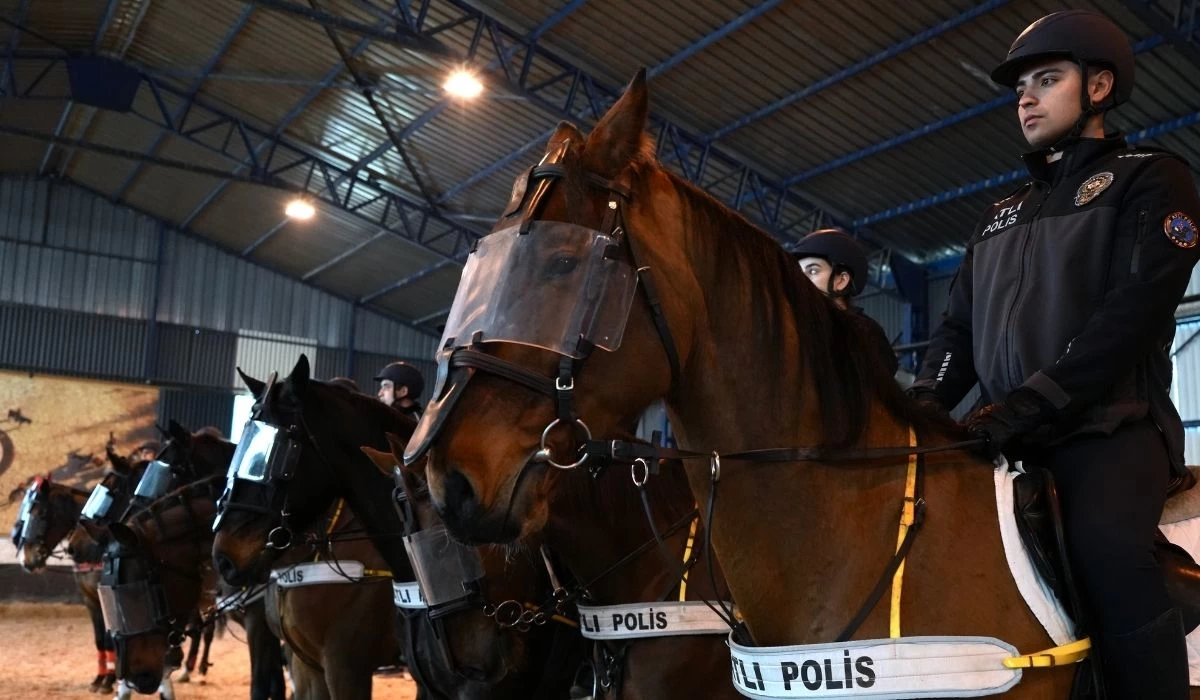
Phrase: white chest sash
(643, 620)
(314, 573)
(408, 595)
(909, 667)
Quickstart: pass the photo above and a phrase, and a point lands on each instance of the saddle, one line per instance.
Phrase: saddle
(1039, 521)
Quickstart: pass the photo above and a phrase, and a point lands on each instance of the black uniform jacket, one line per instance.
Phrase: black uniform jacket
(1069, 287)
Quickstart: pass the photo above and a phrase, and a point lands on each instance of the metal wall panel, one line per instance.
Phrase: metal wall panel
(1185, 390)
(888, 311)
(194, 356)
(68, 342)
(374, 333)
(22, 209)
(195, 409)
(204, 286)
(330, 363)
(260, 354)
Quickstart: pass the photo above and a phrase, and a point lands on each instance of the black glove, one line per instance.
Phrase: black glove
(927, 398)
(1007, 427)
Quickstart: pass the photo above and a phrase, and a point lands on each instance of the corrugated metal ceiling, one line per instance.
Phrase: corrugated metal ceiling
(269, 72)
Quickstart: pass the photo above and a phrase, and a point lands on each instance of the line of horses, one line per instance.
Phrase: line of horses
(465, 545)
(515, 636)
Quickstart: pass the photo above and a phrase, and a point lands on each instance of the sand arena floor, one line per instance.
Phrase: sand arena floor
(48, 653)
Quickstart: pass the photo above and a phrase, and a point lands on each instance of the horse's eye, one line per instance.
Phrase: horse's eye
(561, 266)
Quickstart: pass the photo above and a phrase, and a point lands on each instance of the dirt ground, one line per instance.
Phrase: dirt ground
(48, 653)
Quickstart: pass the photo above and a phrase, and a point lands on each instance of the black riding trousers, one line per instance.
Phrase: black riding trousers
(1112, 490)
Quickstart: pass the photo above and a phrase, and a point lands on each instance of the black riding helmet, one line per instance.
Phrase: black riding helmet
(403, 374)
(841, 251)
(1089, 39)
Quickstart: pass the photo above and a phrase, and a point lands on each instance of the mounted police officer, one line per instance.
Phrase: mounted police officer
(1063, 311)
(400, 385)
(836, 263)
(146, 451)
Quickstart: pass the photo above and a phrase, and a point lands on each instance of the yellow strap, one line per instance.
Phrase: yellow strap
(556, 618)
(687, 554)
(907, 517)
(1058, 656)
(337, 513)
(377, 572)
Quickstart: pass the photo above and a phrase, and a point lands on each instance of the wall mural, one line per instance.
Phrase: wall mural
(60, 425)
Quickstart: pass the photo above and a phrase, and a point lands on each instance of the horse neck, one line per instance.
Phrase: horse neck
(369, 495)
(594, 523)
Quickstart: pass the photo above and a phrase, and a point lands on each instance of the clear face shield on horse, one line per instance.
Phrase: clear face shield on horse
(552, 285)
(266, 456)
(156, 481)
(23, 514)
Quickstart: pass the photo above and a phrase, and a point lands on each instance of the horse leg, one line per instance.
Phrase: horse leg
(166, 691)
(307, 682)
(208, 638)
(189, 663)
(347, 679)
(100, 638)
(266, 656)
(124, 691)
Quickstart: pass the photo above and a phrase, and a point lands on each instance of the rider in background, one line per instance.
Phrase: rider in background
(146, 451)
(836, 263)
(1063, 311)
(400, 385)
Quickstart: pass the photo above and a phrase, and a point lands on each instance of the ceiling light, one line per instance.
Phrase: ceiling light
(463, 84)
(300, 209)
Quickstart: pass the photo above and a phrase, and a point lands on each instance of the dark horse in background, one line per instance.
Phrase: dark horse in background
(462, 655)
(202, 455)
(51, 514)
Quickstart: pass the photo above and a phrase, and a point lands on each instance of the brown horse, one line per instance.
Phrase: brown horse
(156, 573)
(802, 544)
(338, 633)
(55, 511)
(461, 655)
(190, 457)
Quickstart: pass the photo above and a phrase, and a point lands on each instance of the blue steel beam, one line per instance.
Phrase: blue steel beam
(410, 279)
(383, 208)
(343, 255)
(1181, 24)
(105, 22)
(679, 57)
(8, 78)
(1146, 44)
(428, 116)
(1148, 133)
(850, 71)
(502, 57)
(291, 116)
(193, 91)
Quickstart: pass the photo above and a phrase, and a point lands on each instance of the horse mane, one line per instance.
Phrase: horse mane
(835, 345)
(388, 418)
(177, 498)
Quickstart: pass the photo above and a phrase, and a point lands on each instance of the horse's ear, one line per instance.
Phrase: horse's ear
(620, 136)
(384, 461)
(397, 444)
(565, 133)
(178, 432)
(123, 535)
(300, 374)
(256, 387)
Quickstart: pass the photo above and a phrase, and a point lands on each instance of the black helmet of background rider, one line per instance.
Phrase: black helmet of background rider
(1088, 39)
(844, 254)
(405, 380)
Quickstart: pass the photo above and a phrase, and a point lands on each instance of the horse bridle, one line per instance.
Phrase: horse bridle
(560, 388)
(162, 622)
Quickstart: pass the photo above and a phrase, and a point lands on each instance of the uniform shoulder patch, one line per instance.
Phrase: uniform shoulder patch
(1092, 187)
(1180, 228)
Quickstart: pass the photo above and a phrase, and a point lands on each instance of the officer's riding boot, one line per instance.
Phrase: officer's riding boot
(1150, 663)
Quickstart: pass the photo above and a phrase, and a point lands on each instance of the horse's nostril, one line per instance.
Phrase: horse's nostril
(227, 569)
(460, 496)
